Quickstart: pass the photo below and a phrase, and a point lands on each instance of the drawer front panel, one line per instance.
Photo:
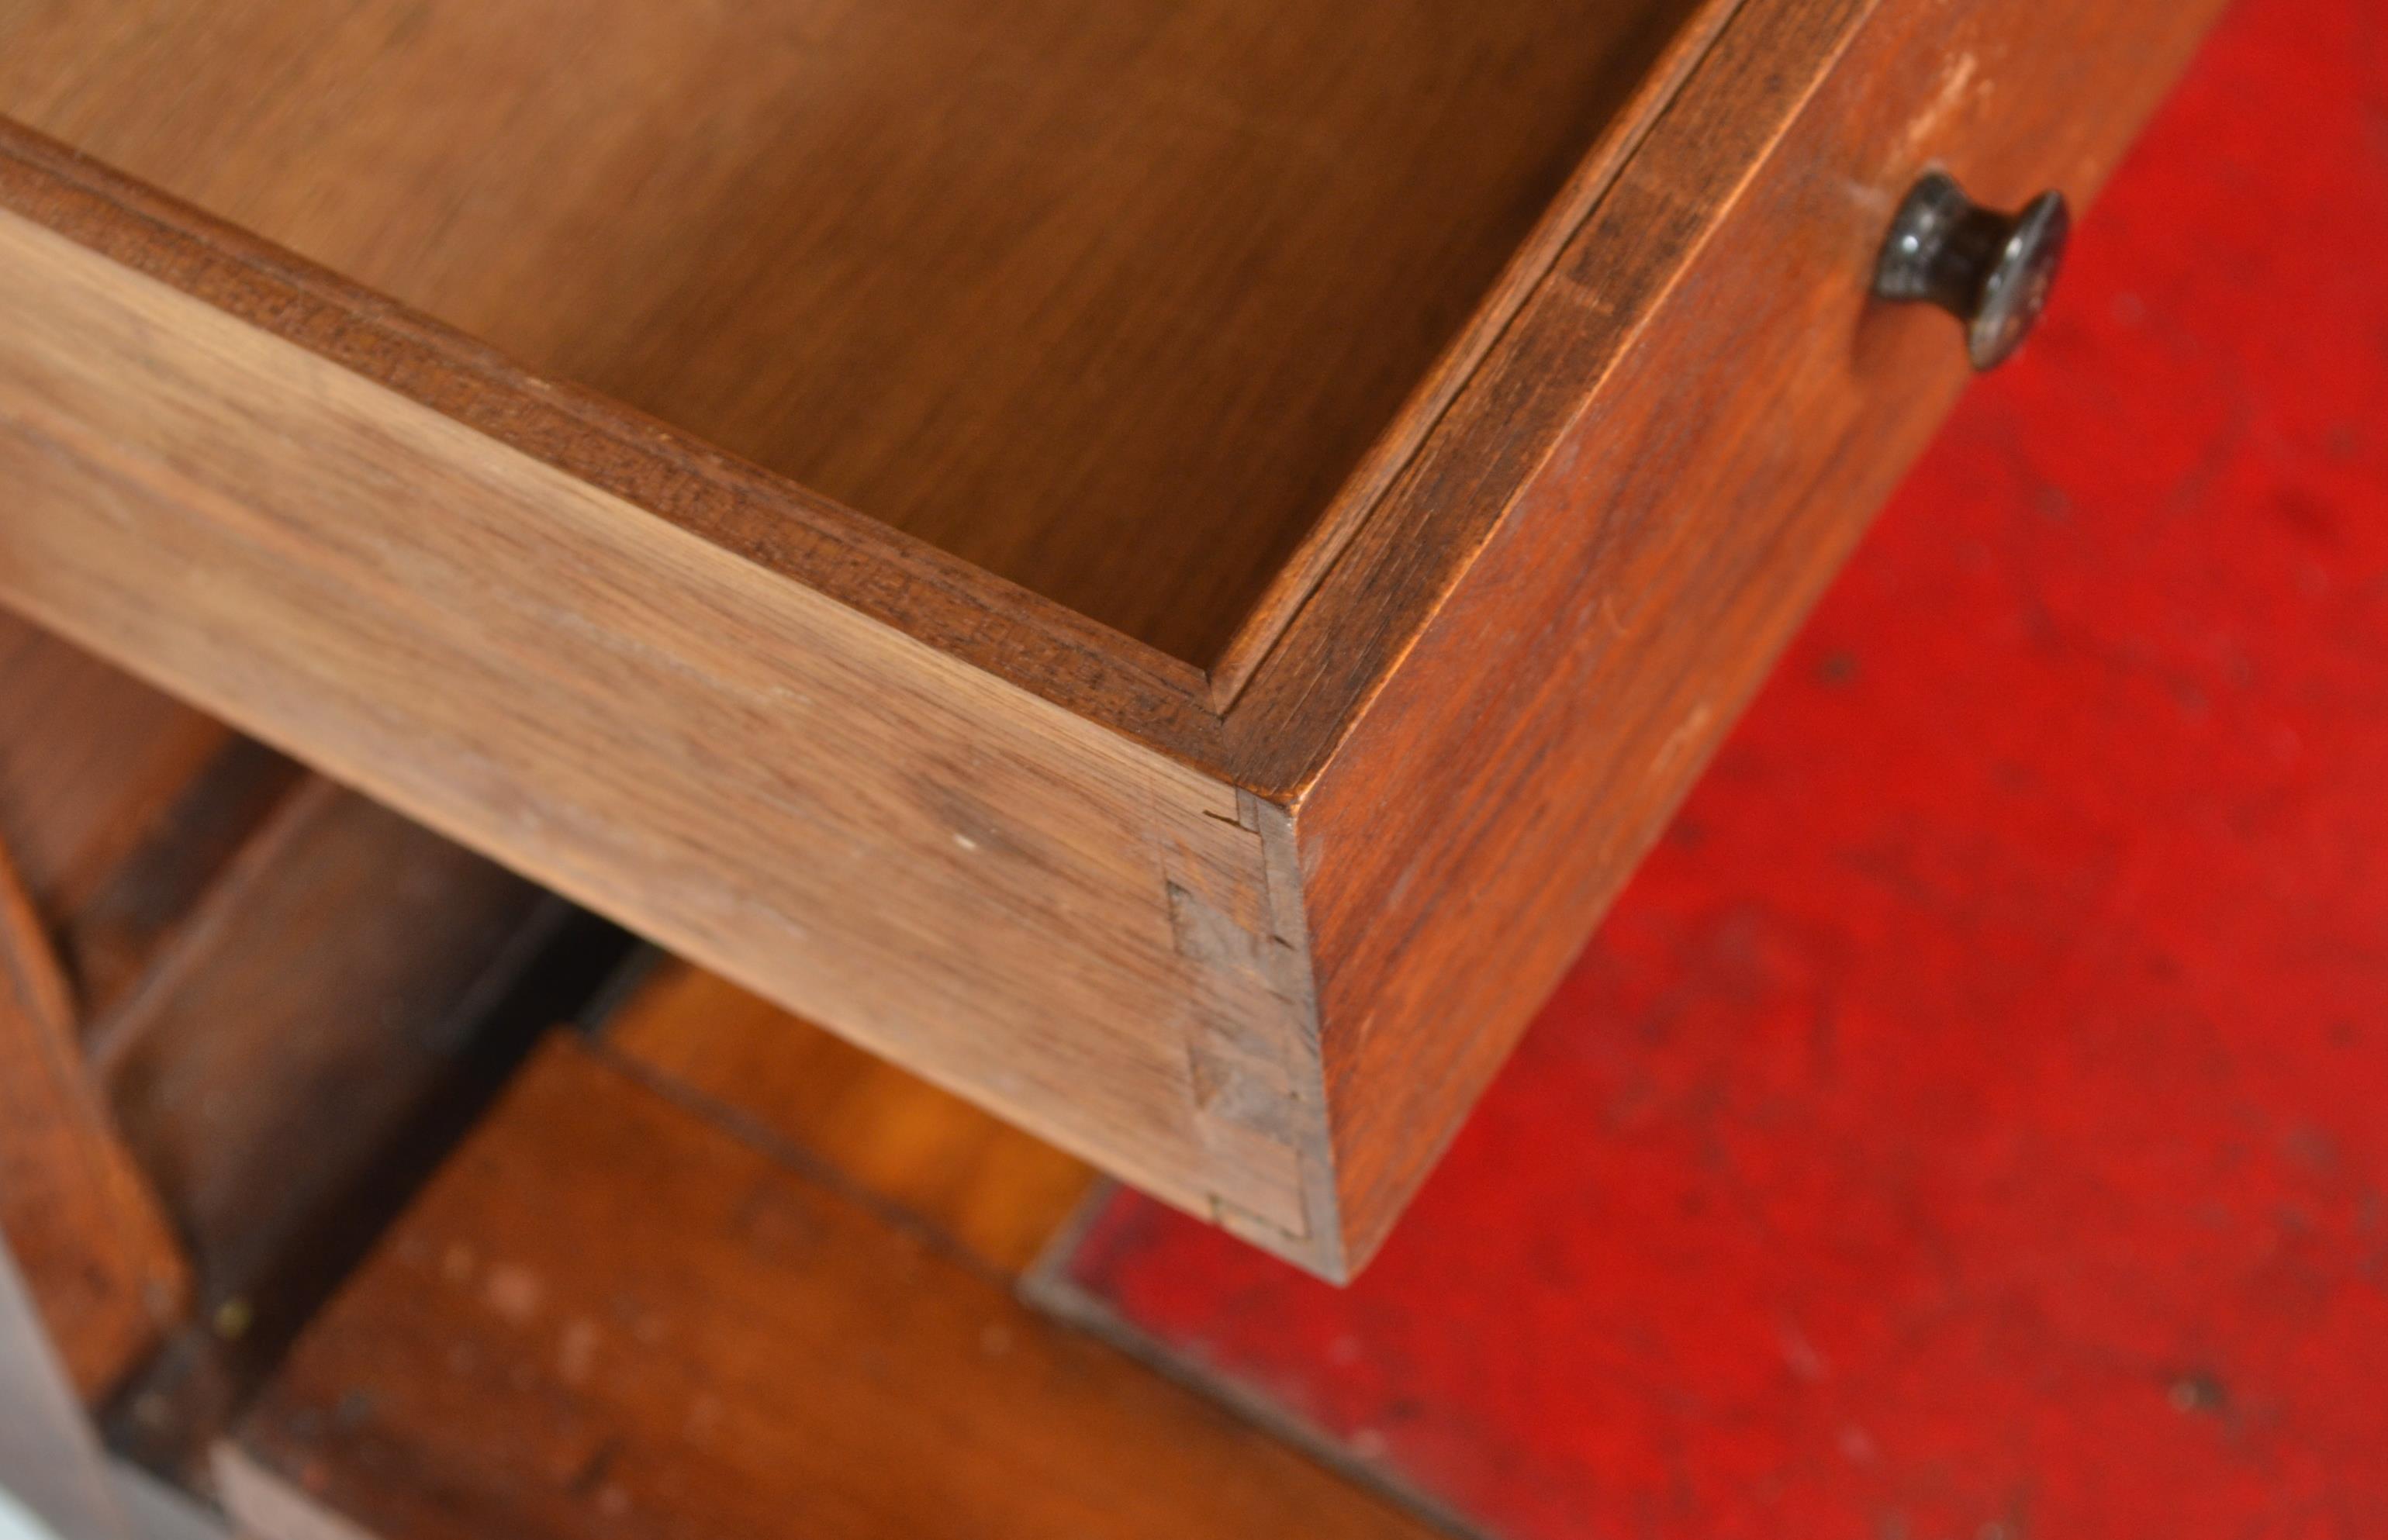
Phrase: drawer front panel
(1640, 497)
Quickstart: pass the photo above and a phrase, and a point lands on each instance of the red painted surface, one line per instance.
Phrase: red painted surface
(1974, 1122)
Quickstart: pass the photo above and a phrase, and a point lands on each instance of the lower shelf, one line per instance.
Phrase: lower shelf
(610, 1314)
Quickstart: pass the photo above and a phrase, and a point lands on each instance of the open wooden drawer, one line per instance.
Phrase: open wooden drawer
(1157, 562)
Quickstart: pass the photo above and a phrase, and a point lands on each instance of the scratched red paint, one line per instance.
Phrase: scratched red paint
(1974, 1122)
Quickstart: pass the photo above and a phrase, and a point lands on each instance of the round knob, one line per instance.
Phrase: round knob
(1990, 270)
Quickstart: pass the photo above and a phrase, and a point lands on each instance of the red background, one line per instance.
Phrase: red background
(1974, 1121)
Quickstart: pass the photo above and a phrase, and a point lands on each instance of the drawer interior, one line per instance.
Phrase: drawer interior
(1110, 300)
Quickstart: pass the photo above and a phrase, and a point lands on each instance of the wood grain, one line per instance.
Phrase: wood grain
(997, 1193)
(120, 804)
(1072, 928)
(1621, 523)
(766, 519)
(1107, 301)
(273, 1056)
(347, 997)
(1257, 958)
(90, 759)
(607, 1316)
(1649, 69)
(139, 912)
(94, 1249)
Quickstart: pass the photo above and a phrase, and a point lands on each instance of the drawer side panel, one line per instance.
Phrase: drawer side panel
(1026, 908)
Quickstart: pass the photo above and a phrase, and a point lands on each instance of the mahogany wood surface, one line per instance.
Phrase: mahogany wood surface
(100, 1262)
(1246, 926)
(119, 804)
(89, 759)
(607, 1316)
(343, 1002)
(1105, 300)
(1071, 927)
(260, 985)
(272, 1056)
(995, 1192)
(775, 523)
(1679, 35)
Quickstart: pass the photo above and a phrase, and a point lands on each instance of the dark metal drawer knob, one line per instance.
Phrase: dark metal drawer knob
(1990, 270)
